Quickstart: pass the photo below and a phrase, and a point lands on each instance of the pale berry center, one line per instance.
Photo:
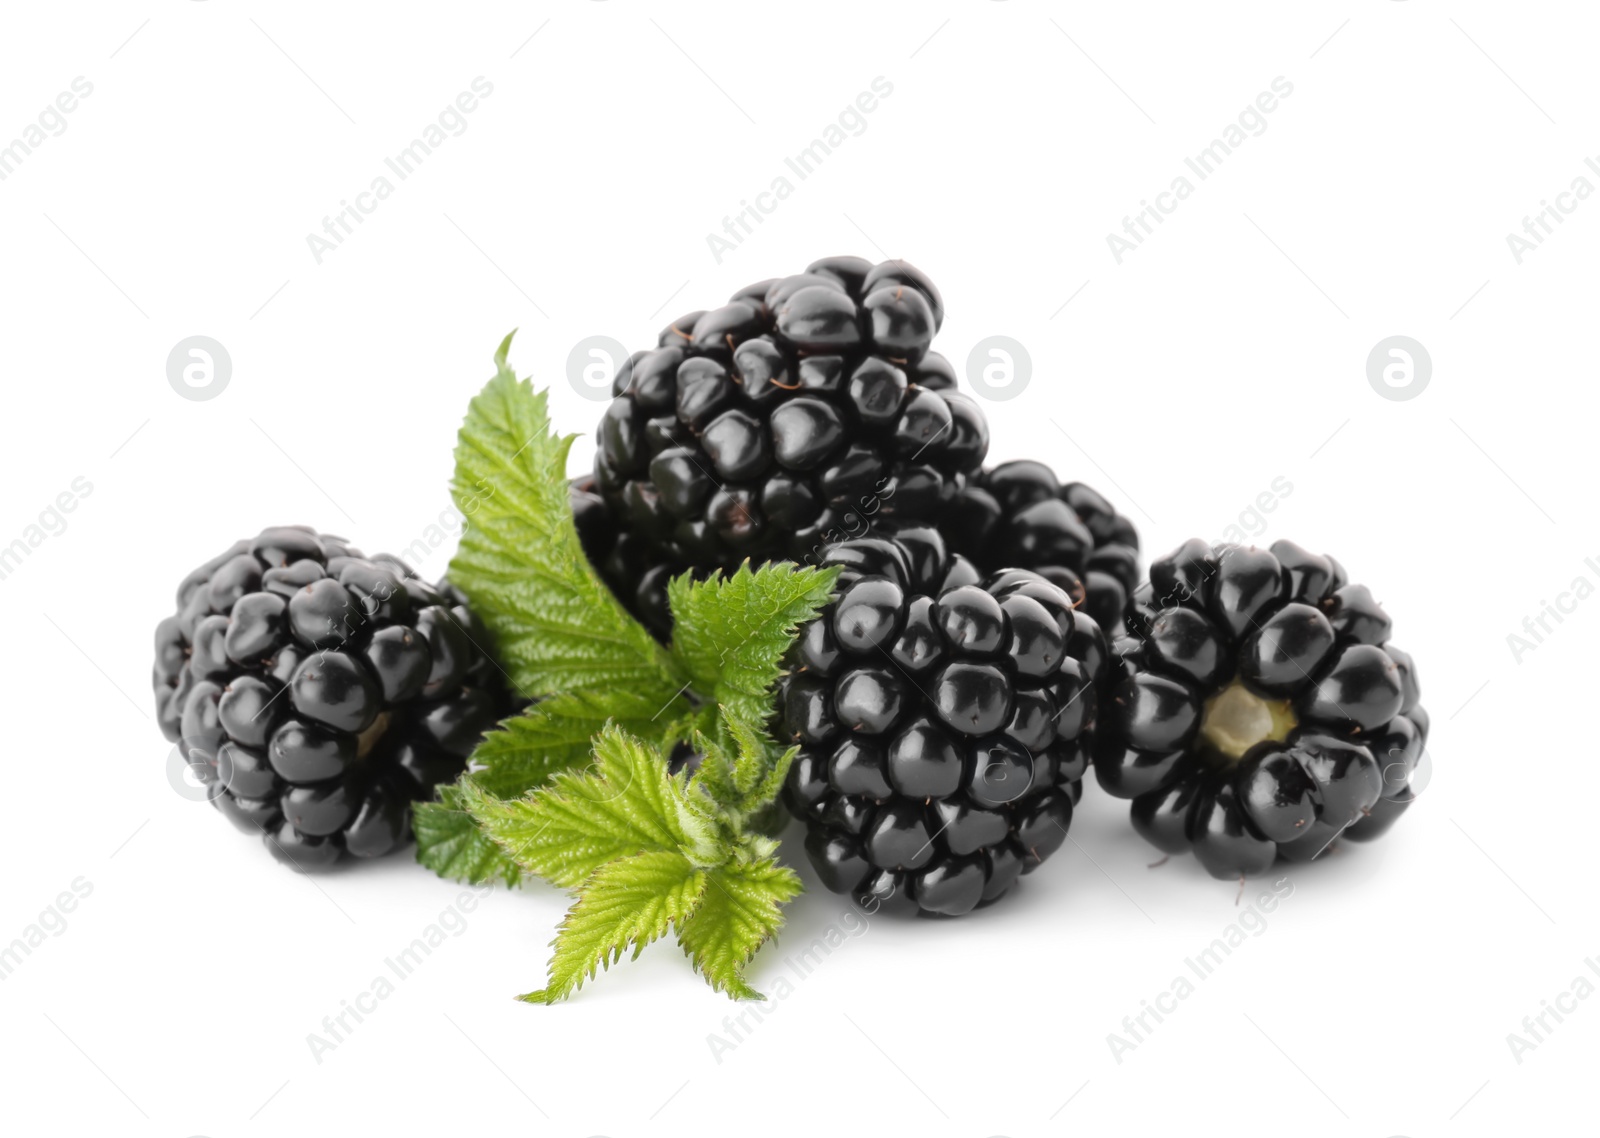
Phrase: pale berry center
(1236, 719)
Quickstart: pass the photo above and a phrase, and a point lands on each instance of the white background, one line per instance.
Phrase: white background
(1230, 349)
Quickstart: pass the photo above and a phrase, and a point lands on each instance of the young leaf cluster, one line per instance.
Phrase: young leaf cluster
(575, 789)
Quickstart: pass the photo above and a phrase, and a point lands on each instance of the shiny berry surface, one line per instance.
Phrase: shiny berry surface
(944, 722)
(1019, 514)
(1257, 710)
(317, 693)
(805, 411)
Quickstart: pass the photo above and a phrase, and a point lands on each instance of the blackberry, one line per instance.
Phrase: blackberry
(800, 412)
(1257, 709)
(944, 722)
(1019, 514)
(319, 692)
(630, 566)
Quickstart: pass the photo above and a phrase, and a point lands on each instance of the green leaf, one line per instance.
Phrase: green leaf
(739, 913)
(571, 828)
(744, 779)
(557, 627)
(732, 632)
(450, 842)
(558, 733)
(554, 735)
(767, 790)
(628, 902)
(714, 780)
(752, 757)
(576, 789)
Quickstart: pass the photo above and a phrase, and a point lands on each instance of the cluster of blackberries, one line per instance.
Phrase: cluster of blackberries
(1252, 706)
(807, 410)
(989, 639)
(1019, 515)
(318, 692)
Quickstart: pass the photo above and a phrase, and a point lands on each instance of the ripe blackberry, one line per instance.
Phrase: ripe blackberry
(1019, 514)
(319, 692)
(944, 721)
(1257, 710)
(631, 568)
(791, 416)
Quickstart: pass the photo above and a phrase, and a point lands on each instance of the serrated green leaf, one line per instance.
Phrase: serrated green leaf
(628, 902)
(450, 842)
(767, 790)
(575, 790)
(732, 632)
(568, 830)
(558, 733)
(743, 780)
(558, 628)
(741, 910)
(523, 754)
(714, 779)
(751, 758)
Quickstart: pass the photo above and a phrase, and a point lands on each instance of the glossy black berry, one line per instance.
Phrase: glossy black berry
(971, 697)
(318, 693)
(899, 322)
(973, 621)
(807, 410)
(626, 560)
(1020, 514)
(869, 616)
(1257, 710)
(900, 274)
(849, 273)
(944, 724)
